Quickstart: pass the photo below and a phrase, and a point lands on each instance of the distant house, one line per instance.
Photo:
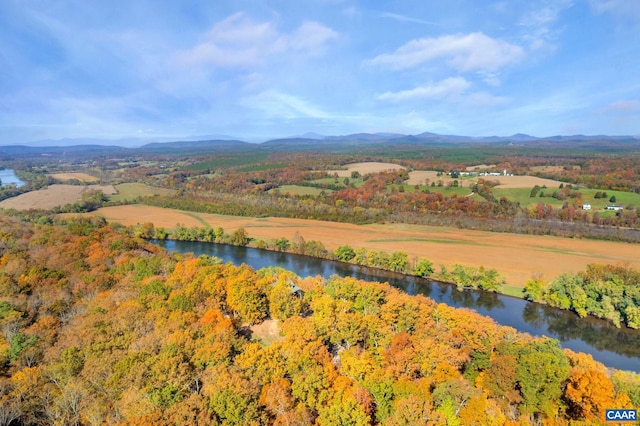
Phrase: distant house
(613, 207)
(586, 206)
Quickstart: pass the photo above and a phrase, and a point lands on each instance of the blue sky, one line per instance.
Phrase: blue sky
(260, 69)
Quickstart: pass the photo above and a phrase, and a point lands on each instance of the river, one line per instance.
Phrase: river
(8, 176)
(615, 347)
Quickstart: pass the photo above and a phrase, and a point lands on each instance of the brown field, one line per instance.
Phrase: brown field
(53, 196)
(551, 169)
(517, 257)
(364, 168)
(480, 167)
(523, 181)
(418, 177)
(83, 177)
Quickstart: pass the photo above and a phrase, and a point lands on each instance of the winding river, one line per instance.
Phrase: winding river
(615, 347)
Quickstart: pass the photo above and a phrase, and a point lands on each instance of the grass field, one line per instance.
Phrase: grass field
(131, 191)
(332, 181)
(517, 257)
(521, 195)
(53, 196)
(82, 177)
(301, 190)
(364, 168)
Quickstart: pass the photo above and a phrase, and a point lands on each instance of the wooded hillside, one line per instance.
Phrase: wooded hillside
(98, 327)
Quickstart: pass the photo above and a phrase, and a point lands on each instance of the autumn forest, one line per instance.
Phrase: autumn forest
(102, 327)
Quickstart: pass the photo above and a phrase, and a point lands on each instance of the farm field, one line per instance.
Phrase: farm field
(366, 167)
(83, 177)
(418, 177)
(517, 257)
(53, 196)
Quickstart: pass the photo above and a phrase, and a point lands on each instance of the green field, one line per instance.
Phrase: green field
(332, 181)
(131, 191)
(301, 190)
(521, 195)
(460, 191)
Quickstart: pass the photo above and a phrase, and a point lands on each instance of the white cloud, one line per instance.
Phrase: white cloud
(447, 88)
(311, 37)
(470, 52)
(239, 42)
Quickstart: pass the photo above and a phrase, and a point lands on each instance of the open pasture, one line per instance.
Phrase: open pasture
(517, 257)
(419, 177)
(300, 190)
(82, 177)
(522, 181)
(365, 168)
(53, 196)
(425, 177)
(131, 191)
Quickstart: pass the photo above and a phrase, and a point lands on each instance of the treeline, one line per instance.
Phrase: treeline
(371, 205)
(102, 328)
(605, 291)
(398, 261)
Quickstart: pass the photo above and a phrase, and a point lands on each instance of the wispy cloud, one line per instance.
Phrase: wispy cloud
(624, 106)
(450, 87)
(276, 104)
(540, 23)
(463, 52)
(403, 18)
(623, 8)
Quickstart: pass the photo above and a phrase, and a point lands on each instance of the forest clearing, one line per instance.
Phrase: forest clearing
(517, 257)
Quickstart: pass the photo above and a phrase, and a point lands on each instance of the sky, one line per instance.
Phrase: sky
(261, 69)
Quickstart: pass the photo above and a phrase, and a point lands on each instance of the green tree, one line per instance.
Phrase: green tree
(344, 253)
(399, 261)
(424, 267)
(282, 244)
(534, 288)
(542, 370)
(239, 237)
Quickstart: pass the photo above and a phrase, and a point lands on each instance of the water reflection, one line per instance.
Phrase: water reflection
(618, 348)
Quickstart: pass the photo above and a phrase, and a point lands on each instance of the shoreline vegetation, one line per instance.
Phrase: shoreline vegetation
(603, 291)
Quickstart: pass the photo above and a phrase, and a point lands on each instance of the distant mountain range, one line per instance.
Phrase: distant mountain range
(307, 141)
